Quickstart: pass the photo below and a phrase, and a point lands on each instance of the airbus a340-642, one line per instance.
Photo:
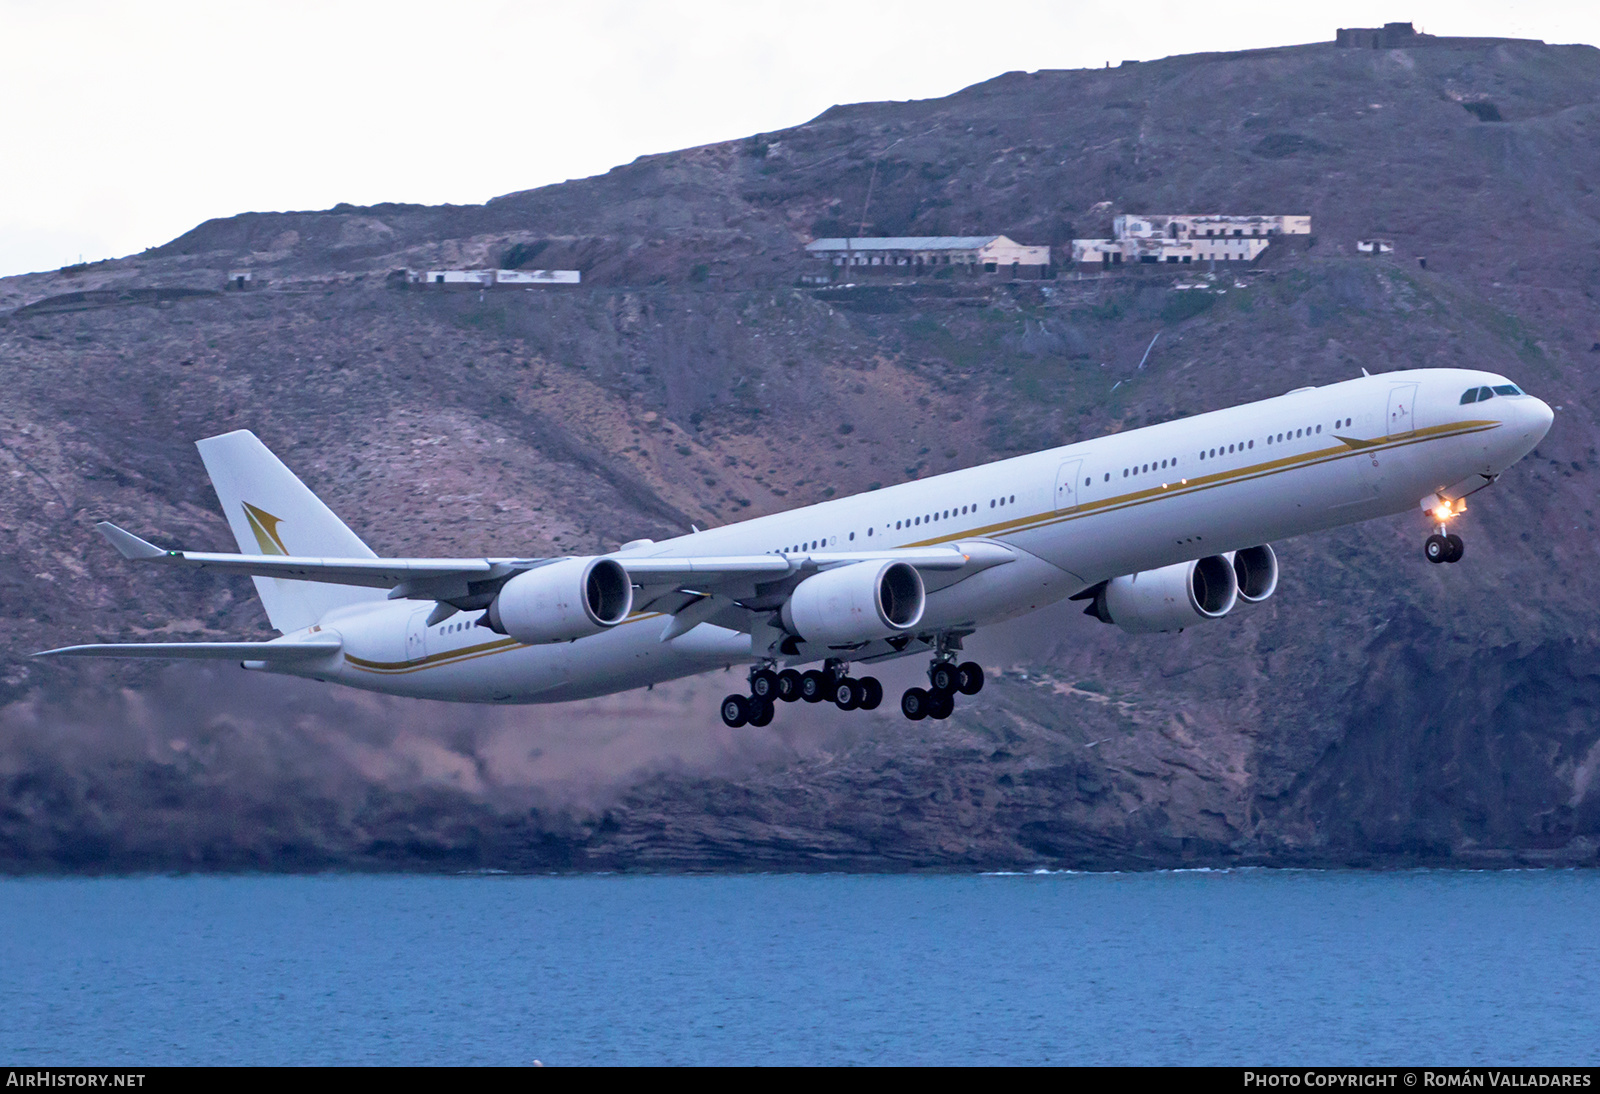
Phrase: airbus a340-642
(1158, 529)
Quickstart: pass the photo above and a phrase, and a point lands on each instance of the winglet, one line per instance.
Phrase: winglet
(127, 544)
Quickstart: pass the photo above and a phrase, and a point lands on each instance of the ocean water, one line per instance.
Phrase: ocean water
(1232, 967)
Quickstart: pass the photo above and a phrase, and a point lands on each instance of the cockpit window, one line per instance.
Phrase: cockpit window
(1484, 393)
(1471, 396)
(1506, 389)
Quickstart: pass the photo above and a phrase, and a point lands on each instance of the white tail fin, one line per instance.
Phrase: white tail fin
(271, 512)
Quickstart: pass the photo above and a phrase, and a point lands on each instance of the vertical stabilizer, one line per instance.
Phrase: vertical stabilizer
(271, 512)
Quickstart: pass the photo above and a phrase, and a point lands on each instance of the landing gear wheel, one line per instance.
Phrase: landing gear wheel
(846, 694)
(871, 693)
(1457, 548)
(944, 677)
(971, 675)
(735, 711)
(789, 685)
(941, 705)
(1436, 549)
(761, 711)
(814, 686)
(764, 685)
(914, 704)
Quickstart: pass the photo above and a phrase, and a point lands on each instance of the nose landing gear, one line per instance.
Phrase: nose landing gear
(1443, 548)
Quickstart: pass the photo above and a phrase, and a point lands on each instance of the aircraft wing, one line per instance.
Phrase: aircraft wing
(205, 651)
(436, 578)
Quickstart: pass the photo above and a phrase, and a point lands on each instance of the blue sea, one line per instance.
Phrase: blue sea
(1228, 967)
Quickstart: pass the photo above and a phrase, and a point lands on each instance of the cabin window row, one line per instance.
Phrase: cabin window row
(1145, 468)
(907, 522)
(929, 518)
(1292, 435)
(1272, 438)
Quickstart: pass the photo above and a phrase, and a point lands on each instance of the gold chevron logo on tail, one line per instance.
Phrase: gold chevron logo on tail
(265, 526)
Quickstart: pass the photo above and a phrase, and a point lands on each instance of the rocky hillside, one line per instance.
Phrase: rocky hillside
(1378, 710)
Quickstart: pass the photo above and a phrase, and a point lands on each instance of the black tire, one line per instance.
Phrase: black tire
(1457, 548)
(814, 686)
(764, 685)
(871, 693)
(735, 711)
(914, 704)
(944, 677)
(789, 685)
(1436, 548)
(845, 694)
(761, 711)
(971, 678)
(941, 705)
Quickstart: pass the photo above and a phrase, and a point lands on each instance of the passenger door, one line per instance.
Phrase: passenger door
(1402, 416)
(1067, 486)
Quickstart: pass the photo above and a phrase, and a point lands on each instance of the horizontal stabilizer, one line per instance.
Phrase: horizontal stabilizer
(374, 573)
(272, 652)
(127, 544)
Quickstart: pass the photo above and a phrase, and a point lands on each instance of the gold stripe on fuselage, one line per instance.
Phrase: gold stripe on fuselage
(465, 653)
(1208, 482)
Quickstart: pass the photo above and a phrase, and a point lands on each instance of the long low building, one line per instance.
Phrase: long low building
(1182, 238)
(1157, 249)
(473, 279)
(911, 255)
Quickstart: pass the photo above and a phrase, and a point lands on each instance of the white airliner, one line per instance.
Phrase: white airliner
(1159, 528)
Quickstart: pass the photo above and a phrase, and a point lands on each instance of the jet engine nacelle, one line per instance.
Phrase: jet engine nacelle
(1255, 570)
(565, 600)
(1171, 598)
(856, 603)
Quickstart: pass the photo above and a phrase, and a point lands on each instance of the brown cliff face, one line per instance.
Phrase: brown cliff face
(1378, 710)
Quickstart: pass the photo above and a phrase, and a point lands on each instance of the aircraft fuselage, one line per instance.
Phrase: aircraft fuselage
(1074, 516)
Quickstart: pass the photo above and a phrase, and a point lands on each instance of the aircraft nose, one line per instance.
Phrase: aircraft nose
(1540, 417)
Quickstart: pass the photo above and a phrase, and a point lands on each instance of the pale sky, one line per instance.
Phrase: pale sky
(126, 124)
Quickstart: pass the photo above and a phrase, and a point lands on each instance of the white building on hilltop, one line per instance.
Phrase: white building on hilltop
(1179, 238)
(908, 256)
(473, 279)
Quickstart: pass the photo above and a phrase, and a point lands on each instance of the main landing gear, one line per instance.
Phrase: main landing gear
(947, 678)
(831, 683)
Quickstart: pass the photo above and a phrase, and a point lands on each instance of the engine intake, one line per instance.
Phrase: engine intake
(857, 603)
(1169, 599)
(1256, 571)
(566, 600)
